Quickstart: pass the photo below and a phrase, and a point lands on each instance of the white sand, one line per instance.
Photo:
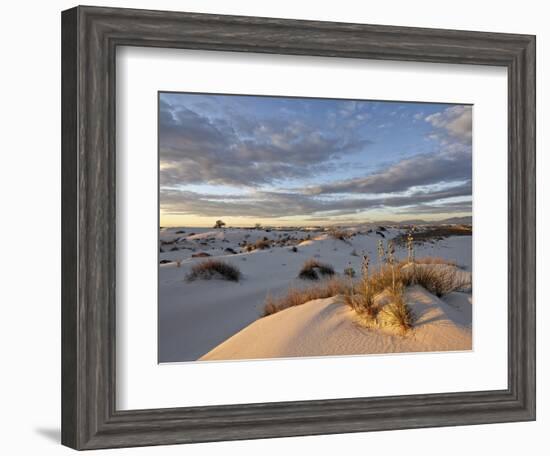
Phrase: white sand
(195, 317)
(328, 327)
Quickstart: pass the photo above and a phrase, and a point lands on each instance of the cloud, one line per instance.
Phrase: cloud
(239, 151)
(456, 207)
(424, 169)
(281, 204)
(456, 121)
(265, 152)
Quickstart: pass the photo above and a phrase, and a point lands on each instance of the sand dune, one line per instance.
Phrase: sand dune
(328, 327)
(196, 317)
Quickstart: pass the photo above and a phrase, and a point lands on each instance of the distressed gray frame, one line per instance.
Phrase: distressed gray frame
(90, 36)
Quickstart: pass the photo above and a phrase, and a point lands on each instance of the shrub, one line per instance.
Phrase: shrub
(298, 296)
(397, 313)
(383, 279)
(214, 268)
(434, 260)
(363, 303)
(350, 272)
(200, 255)
(262, 244)
(435, 233)
(312, 268)
(437, 279)
(339, 234)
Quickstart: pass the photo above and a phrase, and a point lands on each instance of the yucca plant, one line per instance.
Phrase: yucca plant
(397, 314)
(349, 271)
(365, 274)
(410, 250)
(390, 258)
(381, 253)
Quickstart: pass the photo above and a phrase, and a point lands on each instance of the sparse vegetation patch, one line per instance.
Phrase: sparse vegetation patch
(313, 269)
(339, 234)
(397, 314)
(298, 296)
(214, 269)
(434, 233)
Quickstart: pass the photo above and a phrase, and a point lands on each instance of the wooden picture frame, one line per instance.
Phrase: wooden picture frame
(90, 36)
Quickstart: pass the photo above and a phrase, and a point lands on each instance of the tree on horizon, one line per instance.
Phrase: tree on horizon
(219, 224)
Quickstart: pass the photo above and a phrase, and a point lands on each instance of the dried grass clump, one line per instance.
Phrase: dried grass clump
(434, 260)
(383, 278)
(388, 276)
(350, 272)
(435, 233)
(214, 268)
(313, 268)
(339, 234)
(437, 279)
(298, 296)
(364, 304)
(262, 244)
(397, 314)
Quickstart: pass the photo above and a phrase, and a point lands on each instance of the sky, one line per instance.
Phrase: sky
(283, 161)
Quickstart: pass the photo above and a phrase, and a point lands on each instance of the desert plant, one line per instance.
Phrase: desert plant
(390, 258)
(397, 313)
(214, 268)
(350, 272)
(381, 253)
(410, 248)
(339, 234)
(363, 301)
(219, 224)
(410, 254)
(262, 244)
(382, 279)
(200, 255)
(312, 268)
(365, 273)
(435, 233)
(437, 279)
(298, 296)
(435, 260)
(364, 306)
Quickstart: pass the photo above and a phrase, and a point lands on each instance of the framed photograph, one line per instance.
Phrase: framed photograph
(280, 228)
